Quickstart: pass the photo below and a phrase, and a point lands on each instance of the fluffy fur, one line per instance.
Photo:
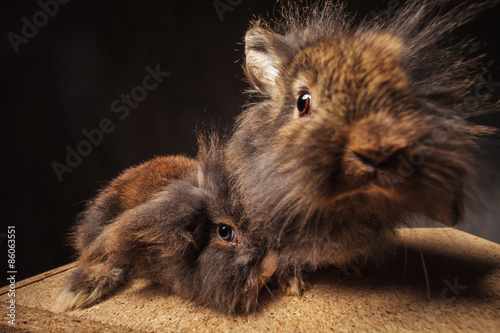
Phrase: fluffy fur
(386, 136)
(159, 221)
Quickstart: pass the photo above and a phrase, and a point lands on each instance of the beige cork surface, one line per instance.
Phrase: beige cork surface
(464, 279)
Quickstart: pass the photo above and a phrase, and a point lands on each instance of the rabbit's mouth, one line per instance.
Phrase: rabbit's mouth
(368, 171)
(382, 176)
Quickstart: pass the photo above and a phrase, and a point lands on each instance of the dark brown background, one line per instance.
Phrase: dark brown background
(66, 77)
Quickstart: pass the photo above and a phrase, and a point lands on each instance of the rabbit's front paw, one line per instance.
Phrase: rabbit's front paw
(292, 284)
(88, 285)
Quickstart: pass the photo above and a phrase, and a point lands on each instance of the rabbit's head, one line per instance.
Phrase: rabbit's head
(374, 113)
(190, 238)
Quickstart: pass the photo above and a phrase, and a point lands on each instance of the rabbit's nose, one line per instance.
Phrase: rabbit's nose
(268, 267)
(377, 159)
(377, 141)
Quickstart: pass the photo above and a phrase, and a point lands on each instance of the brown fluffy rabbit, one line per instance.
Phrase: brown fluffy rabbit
(170, 220)
(356, 128)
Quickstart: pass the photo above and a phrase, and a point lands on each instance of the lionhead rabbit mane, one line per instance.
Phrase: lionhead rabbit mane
(356, 127)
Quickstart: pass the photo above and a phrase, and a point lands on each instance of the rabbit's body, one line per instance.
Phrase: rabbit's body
(356, 130)
(134, 186)
(172, 221)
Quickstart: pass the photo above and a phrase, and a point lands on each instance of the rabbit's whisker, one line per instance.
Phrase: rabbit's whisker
(425, 273)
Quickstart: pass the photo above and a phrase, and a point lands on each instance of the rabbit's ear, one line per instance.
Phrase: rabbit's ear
(264, 58)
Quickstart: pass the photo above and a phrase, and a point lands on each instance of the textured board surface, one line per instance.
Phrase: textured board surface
(464, 280)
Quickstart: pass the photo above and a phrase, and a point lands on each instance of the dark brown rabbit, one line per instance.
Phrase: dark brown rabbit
(356, 128)
(170, 220)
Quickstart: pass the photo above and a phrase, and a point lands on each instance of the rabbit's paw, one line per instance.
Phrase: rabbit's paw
(292, 284)
(88, 285)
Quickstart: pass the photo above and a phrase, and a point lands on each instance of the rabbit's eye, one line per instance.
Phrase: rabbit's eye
(304, 104)
(226, 233)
